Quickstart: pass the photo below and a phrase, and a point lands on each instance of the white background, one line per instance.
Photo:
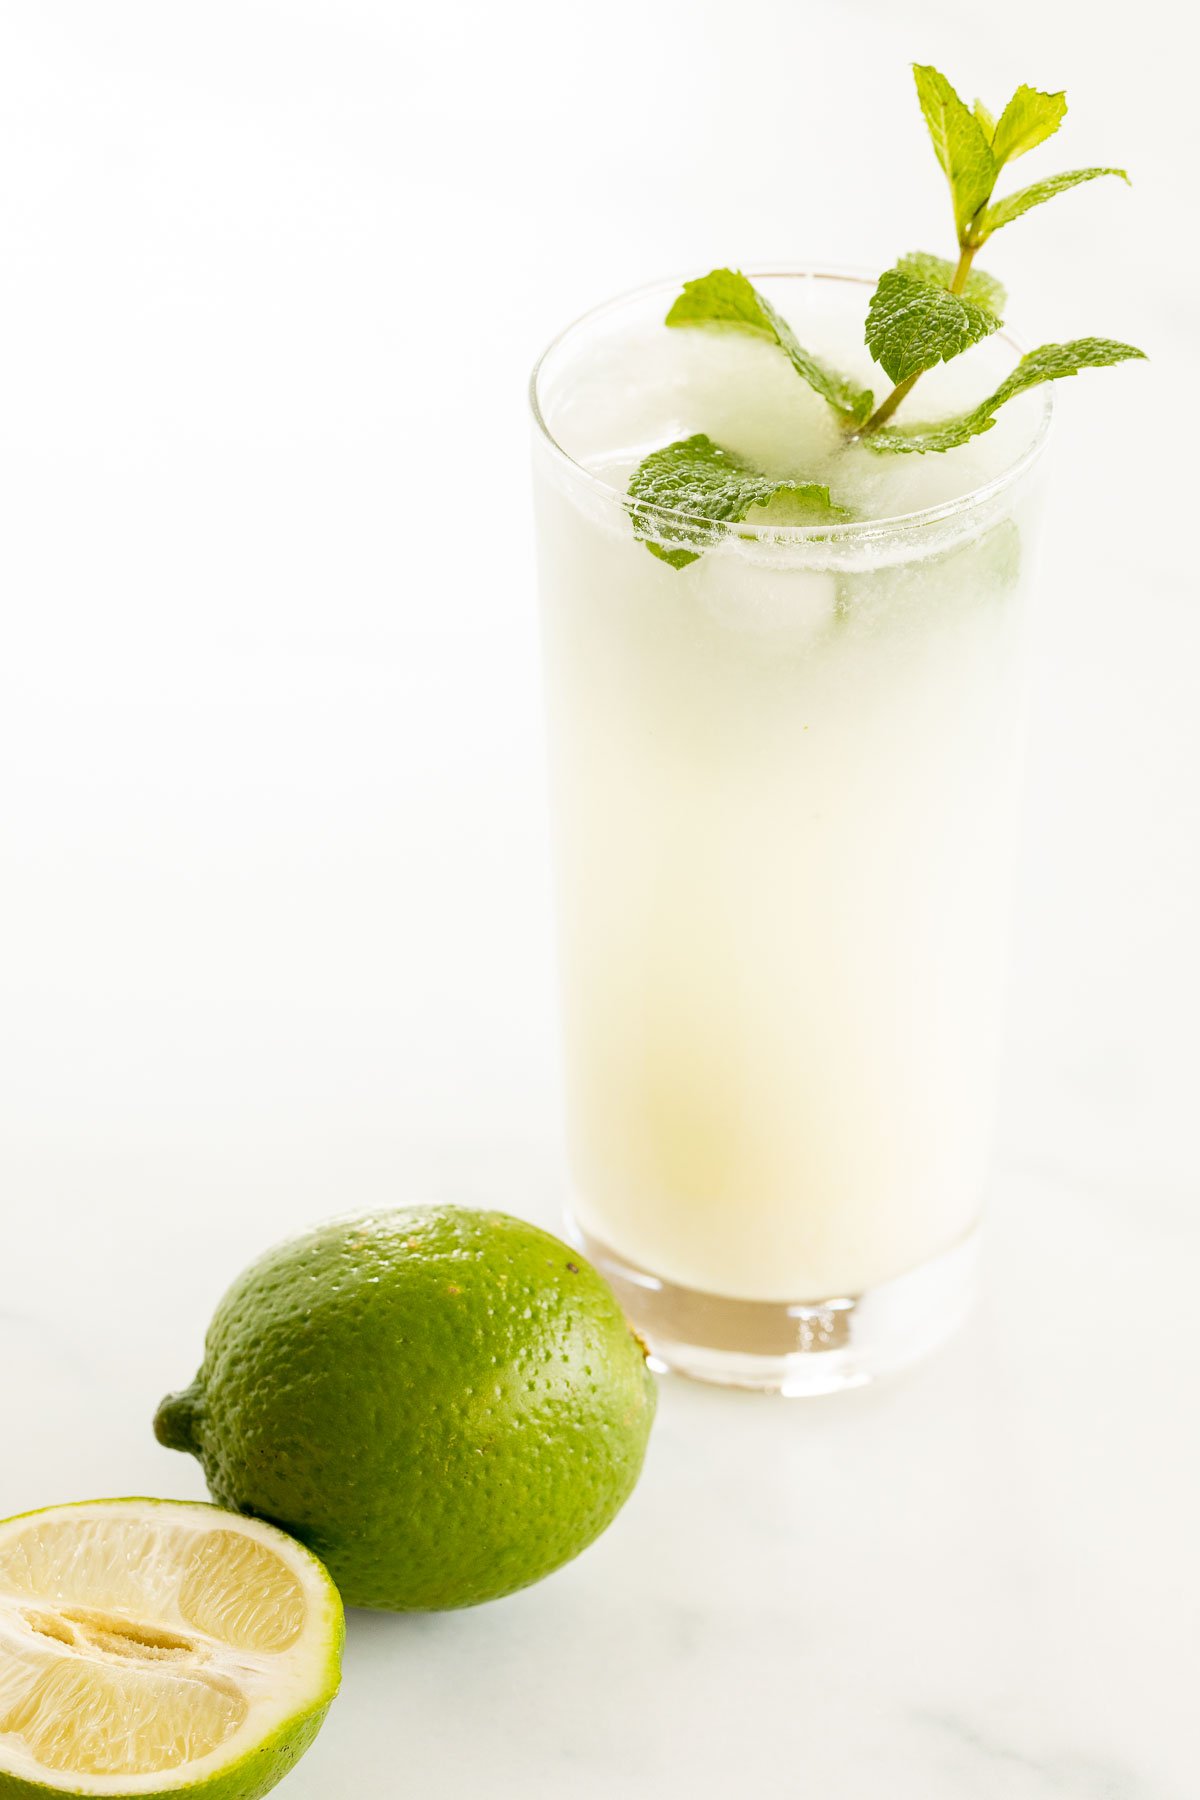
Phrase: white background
(275, 936)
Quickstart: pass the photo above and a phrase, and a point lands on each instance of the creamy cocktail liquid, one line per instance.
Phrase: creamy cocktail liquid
(784, 608)
(784, 782)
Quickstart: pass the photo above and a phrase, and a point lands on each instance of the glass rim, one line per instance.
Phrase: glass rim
(846, 531)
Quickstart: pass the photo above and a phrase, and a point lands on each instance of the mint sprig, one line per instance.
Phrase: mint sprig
(726, 299)
(972, 147)
(1050, 363)
(908, 333)
(712, 487)
(925, 310)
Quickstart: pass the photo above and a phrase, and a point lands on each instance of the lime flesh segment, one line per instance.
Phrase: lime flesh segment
(158, 1647)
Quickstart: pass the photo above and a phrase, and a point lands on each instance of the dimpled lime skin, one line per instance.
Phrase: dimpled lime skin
(445, 1405)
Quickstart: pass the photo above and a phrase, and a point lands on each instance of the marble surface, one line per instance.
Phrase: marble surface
(977, 1579)
(275, 933)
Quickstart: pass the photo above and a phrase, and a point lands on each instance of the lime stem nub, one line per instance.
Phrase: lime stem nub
(176, 1420)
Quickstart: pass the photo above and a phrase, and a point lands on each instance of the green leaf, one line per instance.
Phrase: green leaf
(1049, 363)
(1027, 121)
(1005, 210)
(960, 143)
(980, 286)
(725, 298)
(714, 488)
(986, 119)
(913, 323)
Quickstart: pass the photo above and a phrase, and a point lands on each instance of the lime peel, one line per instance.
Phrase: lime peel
(444, 1404)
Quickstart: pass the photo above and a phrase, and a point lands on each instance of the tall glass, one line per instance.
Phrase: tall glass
(784, 784)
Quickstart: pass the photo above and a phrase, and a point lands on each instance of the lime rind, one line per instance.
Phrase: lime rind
(446, 1404)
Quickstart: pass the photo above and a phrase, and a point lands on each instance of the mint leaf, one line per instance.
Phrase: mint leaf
(913, 323)
(713, 487)
(986, 119)
(1028, 120)
(979, 286)
(960, 144)
(1004, 211)
(1049, 363)
(725, 298)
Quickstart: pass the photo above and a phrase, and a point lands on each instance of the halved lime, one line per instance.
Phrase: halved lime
(157, 1647)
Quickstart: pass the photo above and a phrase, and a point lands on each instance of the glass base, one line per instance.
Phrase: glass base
(793, 1348)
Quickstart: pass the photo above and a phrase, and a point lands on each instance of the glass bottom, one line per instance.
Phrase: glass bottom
(793, 1348)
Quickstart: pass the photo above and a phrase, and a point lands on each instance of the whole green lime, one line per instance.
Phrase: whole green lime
(444, 1405)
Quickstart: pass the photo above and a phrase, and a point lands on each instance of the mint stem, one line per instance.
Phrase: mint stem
(887, 406)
